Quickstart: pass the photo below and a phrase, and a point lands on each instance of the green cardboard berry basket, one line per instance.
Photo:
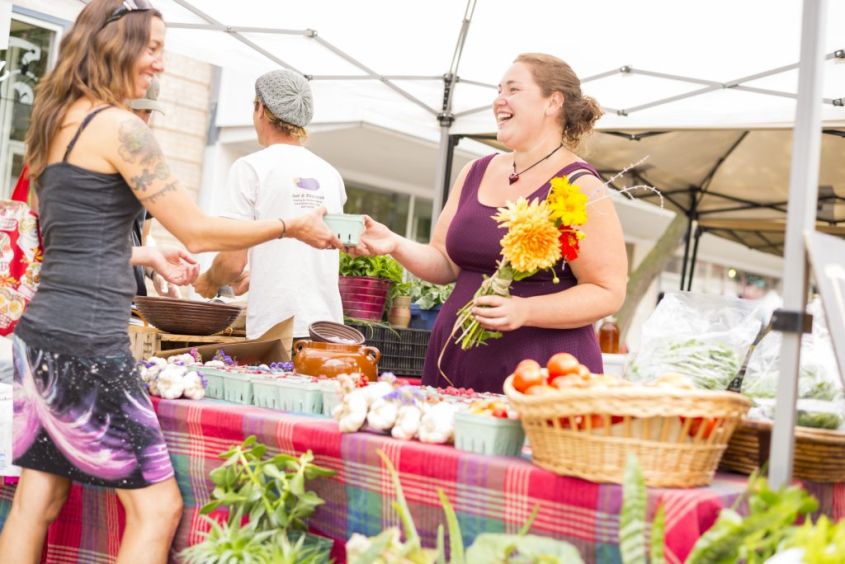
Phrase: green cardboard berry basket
(297, 396)
(214, 381)
(266, 392)
(485, 434)
(238, 388)
(330, 390)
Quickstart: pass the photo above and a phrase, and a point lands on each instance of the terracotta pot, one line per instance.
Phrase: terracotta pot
(363, 297)
(330, 359)
(400, 313)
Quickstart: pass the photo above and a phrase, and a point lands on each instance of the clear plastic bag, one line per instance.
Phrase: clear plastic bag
(819, 387)
(703, 337)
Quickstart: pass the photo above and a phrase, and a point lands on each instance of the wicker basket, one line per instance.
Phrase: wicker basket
(819, 454)
(589, 432)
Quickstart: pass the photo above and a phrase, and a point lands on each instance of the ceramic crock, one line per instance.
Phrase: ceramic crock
(330, 359)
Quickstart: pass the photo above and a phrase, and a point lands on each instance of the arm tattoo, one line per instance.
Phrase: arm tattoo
(137, 144)
(152, 199)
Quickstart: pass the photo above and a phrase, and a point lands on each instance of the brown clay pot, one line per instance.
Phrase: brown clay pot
(400, 313)
(330, 359)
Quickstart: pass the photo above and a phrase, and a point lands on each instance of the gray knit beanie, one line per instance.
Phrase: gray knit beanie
(287, 94)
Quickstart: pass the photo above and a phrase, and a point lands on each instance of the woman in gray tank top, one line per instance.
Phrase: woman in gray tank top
(81, 413)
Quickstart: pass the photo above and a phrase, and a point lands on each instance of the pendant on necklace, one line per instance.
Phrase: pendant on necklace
(513, 178)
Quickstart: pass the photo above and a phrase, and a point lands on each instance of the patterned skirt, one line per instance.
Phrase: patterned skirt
(86, 418)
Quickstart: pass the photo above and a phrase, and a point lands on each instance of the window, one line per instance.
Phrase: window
(32, 46)
(393, 210)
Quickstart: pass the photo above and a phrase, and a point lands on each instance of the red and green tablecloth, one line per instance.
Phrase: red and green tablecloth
(490, 494)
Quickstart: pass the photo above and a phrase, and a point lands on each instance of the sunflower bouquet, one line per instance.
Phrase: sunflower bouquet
(539, 234)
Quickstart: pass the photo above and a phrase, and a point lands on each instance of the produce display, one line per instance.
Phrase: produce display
(703, 337)
(175, 377)
(410, 412)
(821, 400)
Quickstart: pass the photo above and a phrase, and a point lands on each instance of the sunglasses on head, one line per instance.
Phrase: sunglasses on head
(126, 7)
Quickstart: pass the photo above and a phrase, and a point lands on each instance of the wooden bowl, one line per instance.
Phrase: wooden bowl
(186, 317)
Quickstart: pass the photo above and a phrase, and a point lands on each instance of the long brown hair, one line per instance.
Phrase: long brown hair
(96, 59)
(554, 75)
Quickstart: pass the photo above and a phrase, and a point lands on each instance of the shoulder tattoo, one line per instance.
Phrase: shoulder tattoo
(138, 145)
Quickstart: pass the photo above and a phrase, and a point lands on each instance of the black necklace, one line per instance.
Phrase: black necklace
(515, 175)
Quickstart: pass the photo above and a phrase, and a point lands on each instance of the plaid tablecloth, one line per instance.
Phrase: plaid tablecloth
(490, 494)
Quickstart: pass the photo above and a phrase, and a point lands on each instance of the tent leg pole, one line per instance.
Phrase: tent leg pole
(687, 243)
(698, 232)
(803, 197)
(441, 173)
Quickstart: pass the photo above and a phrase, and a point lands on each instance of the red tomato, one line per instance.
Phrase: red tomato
(562, 364)
(697, 422)
(526, 375)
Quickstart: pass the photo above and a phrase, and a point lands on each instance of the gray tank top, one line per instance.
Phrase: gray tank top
(83, 301)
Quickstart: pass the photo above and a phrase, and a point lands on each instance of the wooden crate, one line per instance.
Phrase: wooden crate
(148, 341)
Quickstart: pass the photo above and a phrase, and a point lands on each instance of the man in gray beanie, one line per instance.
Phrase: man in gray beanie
(287, 278)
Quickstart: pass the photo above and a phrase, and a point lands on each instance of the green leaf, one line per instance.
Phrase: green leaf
(658, 536)
(456, 540)
(314, 471)
(297, 484)
(210, 507)
(401, 505)
(530, 521)
(441, 546)
(632, 518)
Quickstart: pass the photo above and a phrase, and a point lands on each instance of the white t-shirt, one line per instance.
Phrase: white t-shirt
(287, 277)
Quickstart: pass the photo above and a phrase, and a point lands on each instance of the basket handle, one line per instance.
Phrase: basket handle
(297, 346)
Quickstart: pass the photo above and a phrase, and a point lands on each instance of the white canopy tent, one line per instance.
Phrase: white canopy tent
(430, 68)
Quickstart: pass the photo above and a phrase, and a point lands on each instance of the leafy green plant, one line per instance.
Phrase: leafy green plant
(385, 267)
(490, 548)
(822, 542)
(632, 519)
(271, 494)
(428, 295)
(753, 539)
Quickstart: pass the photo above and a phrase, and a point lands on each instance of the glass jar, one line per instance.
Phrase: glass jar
(609, 336)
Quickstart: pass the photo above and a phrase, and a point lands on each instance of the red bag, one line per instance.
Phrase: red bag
(20, 254)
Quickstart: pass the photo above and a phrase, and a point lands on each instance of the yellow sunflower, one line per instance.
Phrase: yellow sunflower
(567, 203)
(531, 242)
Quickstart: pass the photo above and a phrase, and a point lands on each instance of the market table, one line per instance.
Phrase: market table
(490, 494)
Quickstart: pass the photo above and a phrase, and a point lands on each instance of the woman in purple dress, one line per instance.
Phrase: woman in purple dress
(541, 116)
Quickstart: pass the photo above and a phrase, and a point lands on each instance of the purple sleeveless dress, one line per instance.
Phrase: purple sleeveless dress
(473, 244)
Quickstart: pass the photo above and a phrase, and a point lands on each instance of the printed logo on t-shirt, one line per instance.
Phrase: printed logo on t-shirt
(307, 183)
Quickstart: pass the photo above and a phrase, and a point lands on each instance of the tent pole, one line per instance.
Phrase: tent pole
(698, 232)
(691, 216)
(687, 241)
(443, 171)
(801, 215)
(446, 118)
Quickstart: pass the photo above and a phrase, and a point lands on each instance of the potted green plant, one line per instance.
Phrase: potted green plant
(270, 495)
(427, 299)
(365, 284)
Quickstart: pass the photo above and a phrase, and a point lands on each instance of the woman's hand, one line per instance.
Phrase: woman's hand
(376, 239)
(312, 230)
(497, 313)
(175, 265)
(163, 288)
